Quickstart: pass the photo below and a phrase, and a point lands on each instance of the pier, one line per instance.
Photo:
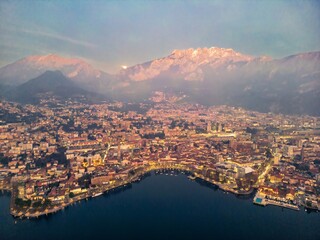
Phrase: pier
(263, 201)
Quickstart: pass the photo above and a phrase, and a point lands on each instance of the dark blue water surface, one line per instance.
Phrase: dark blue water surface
(164, 207)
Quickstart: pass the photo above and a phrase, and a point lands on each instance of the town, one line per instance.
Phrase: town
(60, 152)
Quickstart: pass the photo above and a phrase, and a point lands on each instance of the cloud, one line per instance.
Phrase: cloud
(37, 31)
(58, 37)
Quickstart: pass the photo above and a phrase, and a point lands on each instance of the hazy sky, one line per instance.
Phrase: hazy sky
(109, 34)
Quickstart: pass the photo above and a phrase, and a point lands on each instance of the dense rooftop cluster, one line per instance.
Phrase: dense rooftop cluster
(59, 152)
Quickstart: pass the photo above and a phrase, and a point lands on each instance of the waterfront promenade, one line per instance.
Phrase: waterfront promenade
(34, 213)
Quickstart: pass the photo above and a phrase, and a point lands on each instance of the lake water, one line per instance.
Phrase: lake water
(164, 207)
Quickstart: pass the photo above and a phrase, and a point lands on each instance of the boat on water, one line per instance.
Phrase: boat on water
(136, 180)
(191, 177)
(97, 194)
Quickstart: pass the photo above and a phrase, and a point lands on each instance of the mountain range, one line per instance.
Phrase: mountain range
(208, 76)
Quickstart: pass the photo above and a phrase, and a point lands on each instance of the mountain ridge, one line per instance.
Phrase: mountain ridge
(52, 83)
(209, 76)
(27, 68)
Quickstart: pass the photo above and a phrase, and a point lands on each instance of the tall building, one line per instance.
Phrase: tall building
(318, 178)
(209, 126)
(288, 150)
(119, 151)
(276, 158)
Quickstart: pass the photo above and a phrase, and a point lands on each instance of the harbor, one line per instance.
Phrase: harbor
(263, 200)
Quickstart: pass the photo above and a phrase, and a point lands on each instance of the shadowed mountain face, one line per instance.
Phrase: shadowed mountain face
(210, 76)
(52, 83)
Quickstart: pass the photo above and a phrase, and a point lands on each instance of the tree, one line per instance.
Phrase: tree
(4, 160)
(131, 172)
(268, 153)
(21, 203)
(71, 195)
(317, 161)
(297, 157)
(253, 131)
(37, 204)
(46, 203)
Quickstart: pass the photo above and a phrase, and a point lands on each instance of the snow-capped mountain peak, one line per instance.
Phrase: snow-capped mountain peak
(188, 63)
